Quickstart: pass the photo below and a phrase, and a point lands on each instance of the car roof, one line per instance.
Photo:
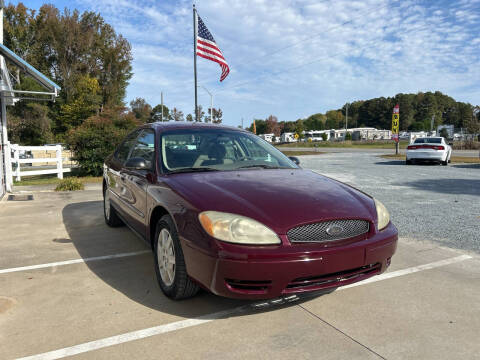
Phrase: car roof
(176, 125)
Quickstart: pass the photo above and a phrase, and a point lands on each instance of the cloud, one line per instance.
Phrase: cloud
(293, 58)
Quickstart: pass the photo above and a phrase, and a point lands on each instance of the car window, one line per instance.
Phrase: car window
(122, 152)
(145, 147)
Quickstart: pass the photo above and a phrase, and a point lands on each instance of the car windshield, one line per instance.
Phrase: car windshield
(428, 140)
(218, 149)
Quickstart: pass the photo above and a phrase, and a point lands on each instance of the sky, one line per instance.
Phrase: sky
(294, 58)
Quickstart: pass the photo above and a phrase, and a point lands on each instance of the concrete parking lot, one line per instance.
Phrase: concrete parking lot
(72, 287)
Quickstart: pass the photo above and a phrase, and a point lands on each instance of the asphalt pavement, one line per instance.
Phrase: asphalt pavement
(428, 201)
(465, 153)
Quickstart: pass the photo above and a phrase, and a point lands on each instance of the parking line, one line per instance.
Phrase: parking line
(407, 271)
(74, 261)
(162, 329)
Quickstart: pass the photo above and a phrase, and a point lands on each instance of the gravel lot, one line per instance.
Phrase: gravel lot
(428, 202)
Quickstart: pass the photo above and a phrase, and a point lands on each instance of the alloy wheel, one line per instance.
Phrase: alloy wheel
(166, 257)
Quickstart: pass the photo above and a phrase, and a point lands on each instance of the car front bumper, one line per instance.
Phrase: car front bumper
(237, 275)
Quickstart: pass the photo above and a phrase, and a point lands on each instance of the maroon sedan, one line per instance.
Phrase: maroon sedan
(226, 211)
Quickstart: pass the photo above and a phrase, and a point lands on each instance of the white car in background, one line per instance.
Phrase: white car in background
(429, 149)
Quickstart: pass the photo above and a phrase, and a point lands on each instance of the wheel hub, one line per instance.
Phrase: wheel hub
(166, 257)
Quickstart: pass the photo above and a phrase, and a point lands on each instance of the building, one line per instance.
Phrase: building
(268, 137)
(288, 137)
(316, 135)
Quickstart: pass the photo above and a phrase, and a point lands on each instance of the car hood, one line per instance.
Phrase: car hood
(280, 198)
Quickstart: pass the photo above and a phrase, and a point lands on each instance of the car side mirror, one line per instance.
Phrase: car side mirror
(136, 163)
(294, 159)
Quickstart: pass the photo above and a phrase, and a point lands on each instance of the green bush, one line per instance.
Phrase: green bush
(348, 136)
(97, 137)
(70, 184)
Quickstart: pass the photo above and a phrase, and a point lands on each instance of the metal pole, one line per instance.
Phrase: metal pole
(211, 108)
(195, 57)
(161, 99)
(3, 120)
(242, 124)
(346, 119)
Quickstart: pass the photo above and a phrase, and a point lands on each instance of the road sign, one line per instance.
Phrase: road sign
(395, 122)
(296, 136)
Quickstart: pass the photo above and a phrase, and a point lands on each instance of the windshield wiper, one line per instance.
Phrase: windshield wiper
(263, 166)
(193, 169)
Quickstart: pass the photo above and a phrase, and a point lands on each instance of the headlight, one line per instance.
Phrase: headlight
(383, 217)
(236, 229)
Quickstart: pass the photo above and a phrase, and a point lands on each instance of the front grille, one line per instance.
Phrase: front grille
(334, 279)
(325, 231)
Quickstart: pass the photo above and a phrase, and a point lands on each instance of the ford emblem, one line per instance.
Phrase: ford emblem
(334, 230)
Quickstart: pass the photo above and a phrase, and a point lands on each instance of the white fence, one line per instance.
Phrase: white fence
(19, 172)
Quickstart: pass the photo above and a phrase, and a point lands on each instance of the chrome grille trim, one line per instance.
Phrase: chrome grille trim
(317, 232)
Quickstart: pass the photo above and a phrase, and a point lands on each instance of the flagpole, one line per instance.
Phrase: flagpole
(195, 57)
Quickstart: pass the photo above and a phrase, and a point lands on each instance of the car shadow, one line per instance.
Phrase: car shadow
(402, 162)
(446, 186)
(134, 276)
(391, 162)
(467, 166)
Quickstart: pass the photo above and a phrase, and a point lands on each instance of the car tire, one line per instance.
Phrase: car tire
(445, 163)
(408, 162)
(110, 214)
(170, 265)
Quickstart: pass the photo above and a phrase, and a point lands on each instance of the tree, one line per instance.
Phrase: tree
(324, 137)
(98, 136)
(272, 126)
(141, 109)
(348, 136)
(217, 115)
(189, 117)
(70, 47)
(156, 114)
(86, 100)
(299, 128)
(444, 133)
(177, 115)
(31, 125)
(200, 113)
(260, 126)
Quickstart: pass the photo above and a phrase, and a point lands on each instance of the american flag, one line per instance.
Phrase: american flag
(208, 49)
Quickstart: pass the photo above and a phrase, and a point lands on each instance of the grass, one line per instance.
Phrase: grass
(52, 179)
(70, 184)
(454, 159)
(371, 144)
(298, 153)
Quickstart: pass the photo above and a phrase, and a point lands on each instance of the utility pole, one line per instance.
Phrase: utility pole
(346, 117)
(242, 123)
(431, 123)
(161, 97)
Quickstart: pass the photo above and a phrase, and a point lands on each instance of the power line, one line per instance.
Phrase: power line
(372, 44)
(315, 36)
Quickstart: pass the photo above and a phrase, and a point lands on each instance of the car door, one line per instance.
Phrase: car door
(136, 181)
(113, 171)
